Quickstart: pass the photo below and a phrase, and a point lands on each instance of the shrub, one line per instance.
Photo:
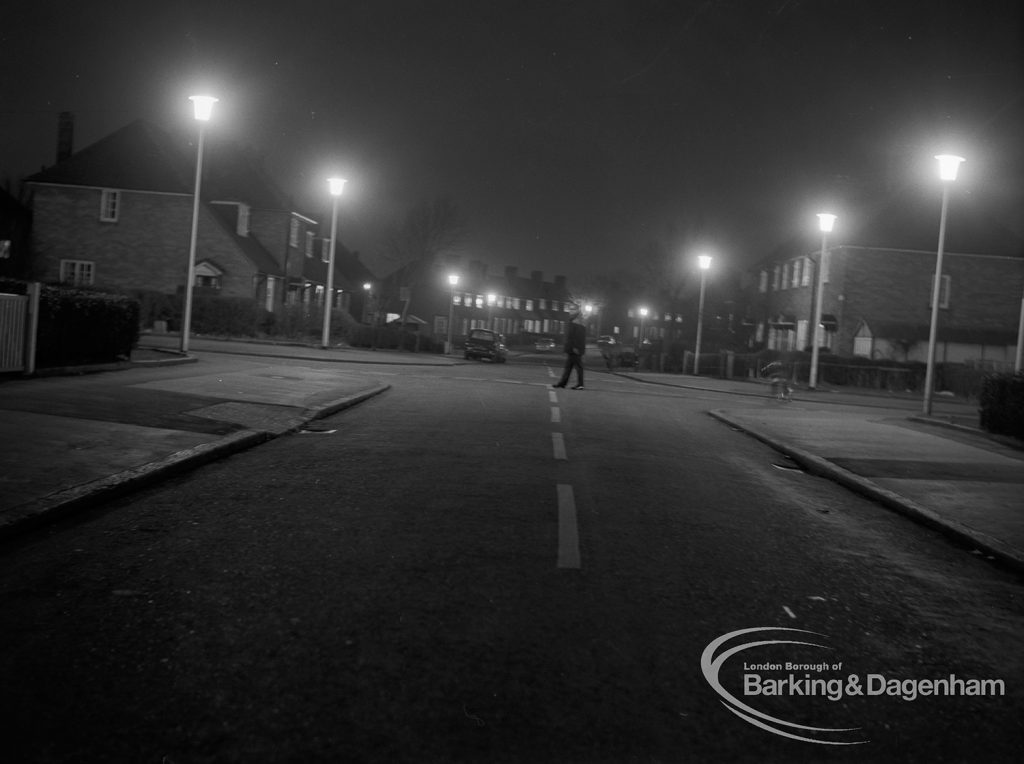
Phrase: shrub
(1002, 404)
(79, 326)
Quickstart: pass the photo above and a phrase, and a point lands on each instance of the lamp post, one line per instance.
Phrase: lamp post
(203, 106)
(825, 223)
(704, 262)
(640, 335)
(491, 299)
(453, 279)
(335, 185)
(949, 164)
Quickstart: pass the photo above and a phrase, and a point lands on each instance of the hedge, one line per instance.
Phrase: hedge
(1002, 404)
(79, 326)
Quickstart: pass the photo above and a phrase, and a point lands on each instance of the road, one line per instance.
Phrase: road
(476, 567)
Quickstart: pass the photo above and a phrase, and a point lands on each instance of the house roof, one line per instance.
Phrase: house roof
(256, 252)
(142, 157)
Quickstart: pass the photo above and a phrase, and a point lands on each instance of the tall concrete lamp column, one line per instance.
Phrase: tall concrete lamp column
(335, 185)
(453, 279)
(203, 106)
(949, 165)
(825, 223)
(704, 262)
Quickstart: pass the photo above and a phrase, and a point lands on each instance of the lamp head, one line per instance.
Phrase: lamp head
(643, 312)
(949, 165)
(453, 278)
(203, 106)
(336, 185)
(825, 222)
(704, 261)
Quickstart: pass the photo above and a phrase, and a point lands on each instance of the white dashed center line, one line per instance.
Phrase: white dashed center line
(558, 444)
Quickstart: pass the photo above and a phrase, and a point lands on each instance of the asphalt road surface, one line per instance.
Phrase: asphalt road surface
(475, 567)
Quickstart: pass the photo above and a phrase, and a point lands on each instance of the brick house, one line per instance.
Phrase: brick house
(878, 290)
(517, 306)
(118, 215)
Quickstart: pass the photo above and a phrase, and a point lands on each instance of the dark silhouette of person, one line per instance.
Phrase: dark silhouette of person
(575, 346)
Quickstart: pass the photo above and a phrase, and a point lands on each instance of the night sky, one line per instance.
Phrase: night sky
(569, 134)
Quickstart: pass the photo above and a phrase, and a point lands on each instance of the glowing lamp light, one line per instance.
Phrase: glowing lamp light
(453, 279)
(704, 261)
(826, 221)
(336, 185)
(203, 106)
(949, 165)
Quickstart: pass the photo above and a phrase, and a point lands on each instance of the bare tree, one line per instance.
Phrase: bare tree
(430, 230)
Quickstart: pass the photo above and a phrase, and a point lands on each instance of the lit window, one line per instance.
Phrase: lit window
(763, 285)
(797, 264)
(77, 272)
(529, 305)
(293, 233)
(110, 205)
(309, 243)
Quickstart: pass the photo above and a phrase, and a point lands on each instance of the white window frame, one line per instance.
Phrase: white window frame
(805, 276)
(78, 272)
(293, 233)
(762, 286)
(110, 205)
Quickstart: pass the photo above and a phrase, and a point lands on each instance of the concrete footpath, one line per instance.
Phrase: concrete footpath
(73, 440)
(942, 470)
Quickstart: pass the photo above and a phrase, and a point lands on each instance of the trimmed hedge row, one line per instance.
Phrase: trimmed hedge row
(77, 326)
(1002, 404)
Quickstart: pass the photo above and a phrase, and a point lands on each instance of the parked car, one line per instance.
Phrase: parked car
(483, 343)
(544, 345)
(606, 340)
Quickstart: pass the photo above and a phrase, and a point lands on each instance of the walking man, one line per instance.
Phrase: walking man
(575, 346)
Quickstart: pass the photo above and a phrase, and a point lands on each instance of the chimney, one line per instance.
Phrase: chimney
(65, 135)
(510, 273)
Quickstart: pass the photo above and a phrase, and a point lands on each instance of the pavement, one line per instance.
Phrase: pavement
(69, 441)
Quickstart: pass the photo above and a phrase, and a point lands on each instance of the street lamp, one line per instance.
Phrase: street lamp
(491, 299)
(949, 164)
(453, 279)
(203, 106)
(825, 223)
(704, 262)
(640, 336)
(335, 185)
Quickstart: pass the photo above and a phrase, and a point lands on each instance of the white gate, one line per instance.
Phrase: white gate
(18, 331)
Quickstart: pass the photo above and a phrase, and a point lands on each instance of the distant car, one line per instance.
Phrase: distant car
(483, 343)
(606, 340)
(544, 345)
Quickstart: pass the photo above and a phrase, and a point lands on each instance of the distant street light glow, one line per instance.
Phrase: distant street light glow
(453, 279)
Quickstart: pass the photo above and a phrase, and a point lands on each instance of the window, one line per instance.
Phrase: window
(293, 233)
(309, 243)
(325, 250)
(77, 272)
(943, 291)
(805, 276)
(110, 205)
(775, 277)
(796, 272)
(763, 283)
(529, 305)
(515, 303)
(784, 284)
(542, 304)
(5, 249)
